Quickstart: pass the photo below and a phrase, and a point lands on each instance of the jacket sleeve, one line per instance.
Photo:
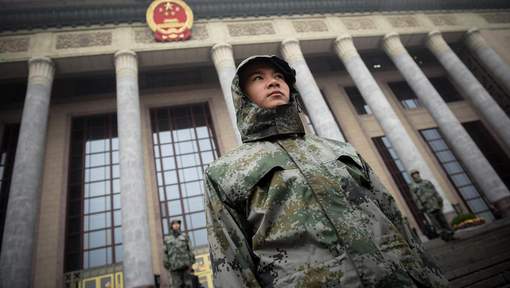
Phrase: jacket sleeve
(190, 251)
(431, 275)
(417, 202)
(231, 255)
(166, 261)
(437, 196)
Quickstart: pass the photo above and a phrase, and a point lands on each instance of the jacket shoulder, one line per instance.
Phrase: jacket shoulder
(425, 181)
(239, 170)
(338, 148)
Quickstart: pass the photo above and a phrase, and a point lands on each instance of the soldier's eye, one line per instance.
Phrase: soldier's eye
(278, 76)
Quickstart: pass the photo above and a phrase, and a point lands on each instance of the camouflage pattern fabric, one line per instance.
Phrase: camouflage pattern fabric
(292, 210)
(181, 279)
(425, 196)
(178, 253)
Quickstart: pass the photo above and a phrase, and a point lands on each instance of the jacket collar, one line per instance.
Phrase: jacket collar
(256, 123)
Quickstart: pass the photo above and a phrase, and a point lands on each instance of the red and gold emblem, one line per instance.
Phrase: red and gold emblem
(170, 20)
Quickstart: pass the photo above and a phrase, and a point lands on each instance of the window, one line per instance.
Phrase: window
(399, 175)
(377, 61)
(13, 94)
(491, 149)
(94, 232)
(423, 57)
(446, 89)
(184, 144)
(404, 94)
(456, 173)
(485, 78)
(324, 63)
(7, 154)
(357, 100)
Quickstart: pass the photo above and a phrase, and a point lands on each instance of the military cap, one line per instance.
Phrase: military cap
(281, 65)
(175, 221)
(414, 171)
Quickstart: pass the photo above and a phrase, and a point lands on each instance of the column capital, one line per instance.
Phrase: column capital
(473, 30)
(125, 62)
(124, 52)
(40, 59)
(392, 44)
(436, 42)
(344, 37)
(41, 70)
(288, 41)
(222, 55)
(291, 50)
(474, 39)
(344, 47)
(222, 45)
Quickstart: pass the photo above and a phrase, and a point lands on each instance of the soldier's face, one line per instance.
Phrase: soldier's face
(176, 226)
(416, 176)
(265, 86)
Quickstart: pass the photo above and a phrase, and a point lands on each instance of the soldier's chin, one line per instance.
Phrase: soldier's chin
(276, 103)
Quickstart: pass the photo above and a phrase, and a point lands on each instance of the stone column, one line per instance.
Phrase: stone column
(2, 129)
(23, 205)
(456, 136)
(135, 223)
(471, 88)
(384, 113)
(318, 111)
(223, 58)
(489, 58)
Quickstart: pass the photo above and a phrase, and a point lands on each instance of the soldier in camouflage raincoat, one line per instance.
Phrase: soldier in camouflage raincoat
(178, 256)
(287, 209)
(430, 203)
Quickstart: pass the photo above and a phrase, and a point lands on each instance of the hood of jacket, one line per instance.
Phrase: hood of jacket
(257, 123)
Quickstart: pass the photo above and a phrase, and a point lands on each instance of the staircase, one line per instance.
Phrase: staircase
(479, 258)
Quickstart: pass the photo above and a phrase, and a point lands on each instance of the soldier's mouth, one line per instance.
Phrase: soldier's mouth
(275, 93)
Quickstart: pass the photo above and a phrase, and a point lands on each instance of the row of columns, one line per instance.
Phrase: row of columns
(462, 144)
(470, 86)
(455, 134)
(384, 113)
(23, 204)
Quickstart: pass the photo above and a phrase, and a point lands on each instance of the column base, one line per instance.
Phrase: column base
(503, 206)
(449, 216)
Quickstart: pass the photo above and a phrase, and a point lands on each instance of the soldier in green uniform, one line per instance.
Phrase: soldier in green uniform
(430, 203)
(178, 256)
(286, 209)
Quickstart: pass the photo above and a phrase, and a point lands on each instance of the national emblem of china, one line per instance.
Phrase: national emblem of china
(170, 20)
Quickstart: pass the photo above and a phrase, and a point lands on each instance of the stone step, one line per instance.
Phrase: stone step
(497, 275)
(455, 257)
(494, 240)
(480, 257)
(470, 267)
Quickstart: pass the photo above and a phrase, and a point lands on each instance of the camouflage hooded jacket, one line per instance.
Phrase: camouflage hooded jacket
(425, 196)
(178, 253)
(292, 210)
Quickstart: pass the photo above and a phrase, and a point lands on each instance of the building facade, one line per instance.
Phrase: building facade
(105, 133)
